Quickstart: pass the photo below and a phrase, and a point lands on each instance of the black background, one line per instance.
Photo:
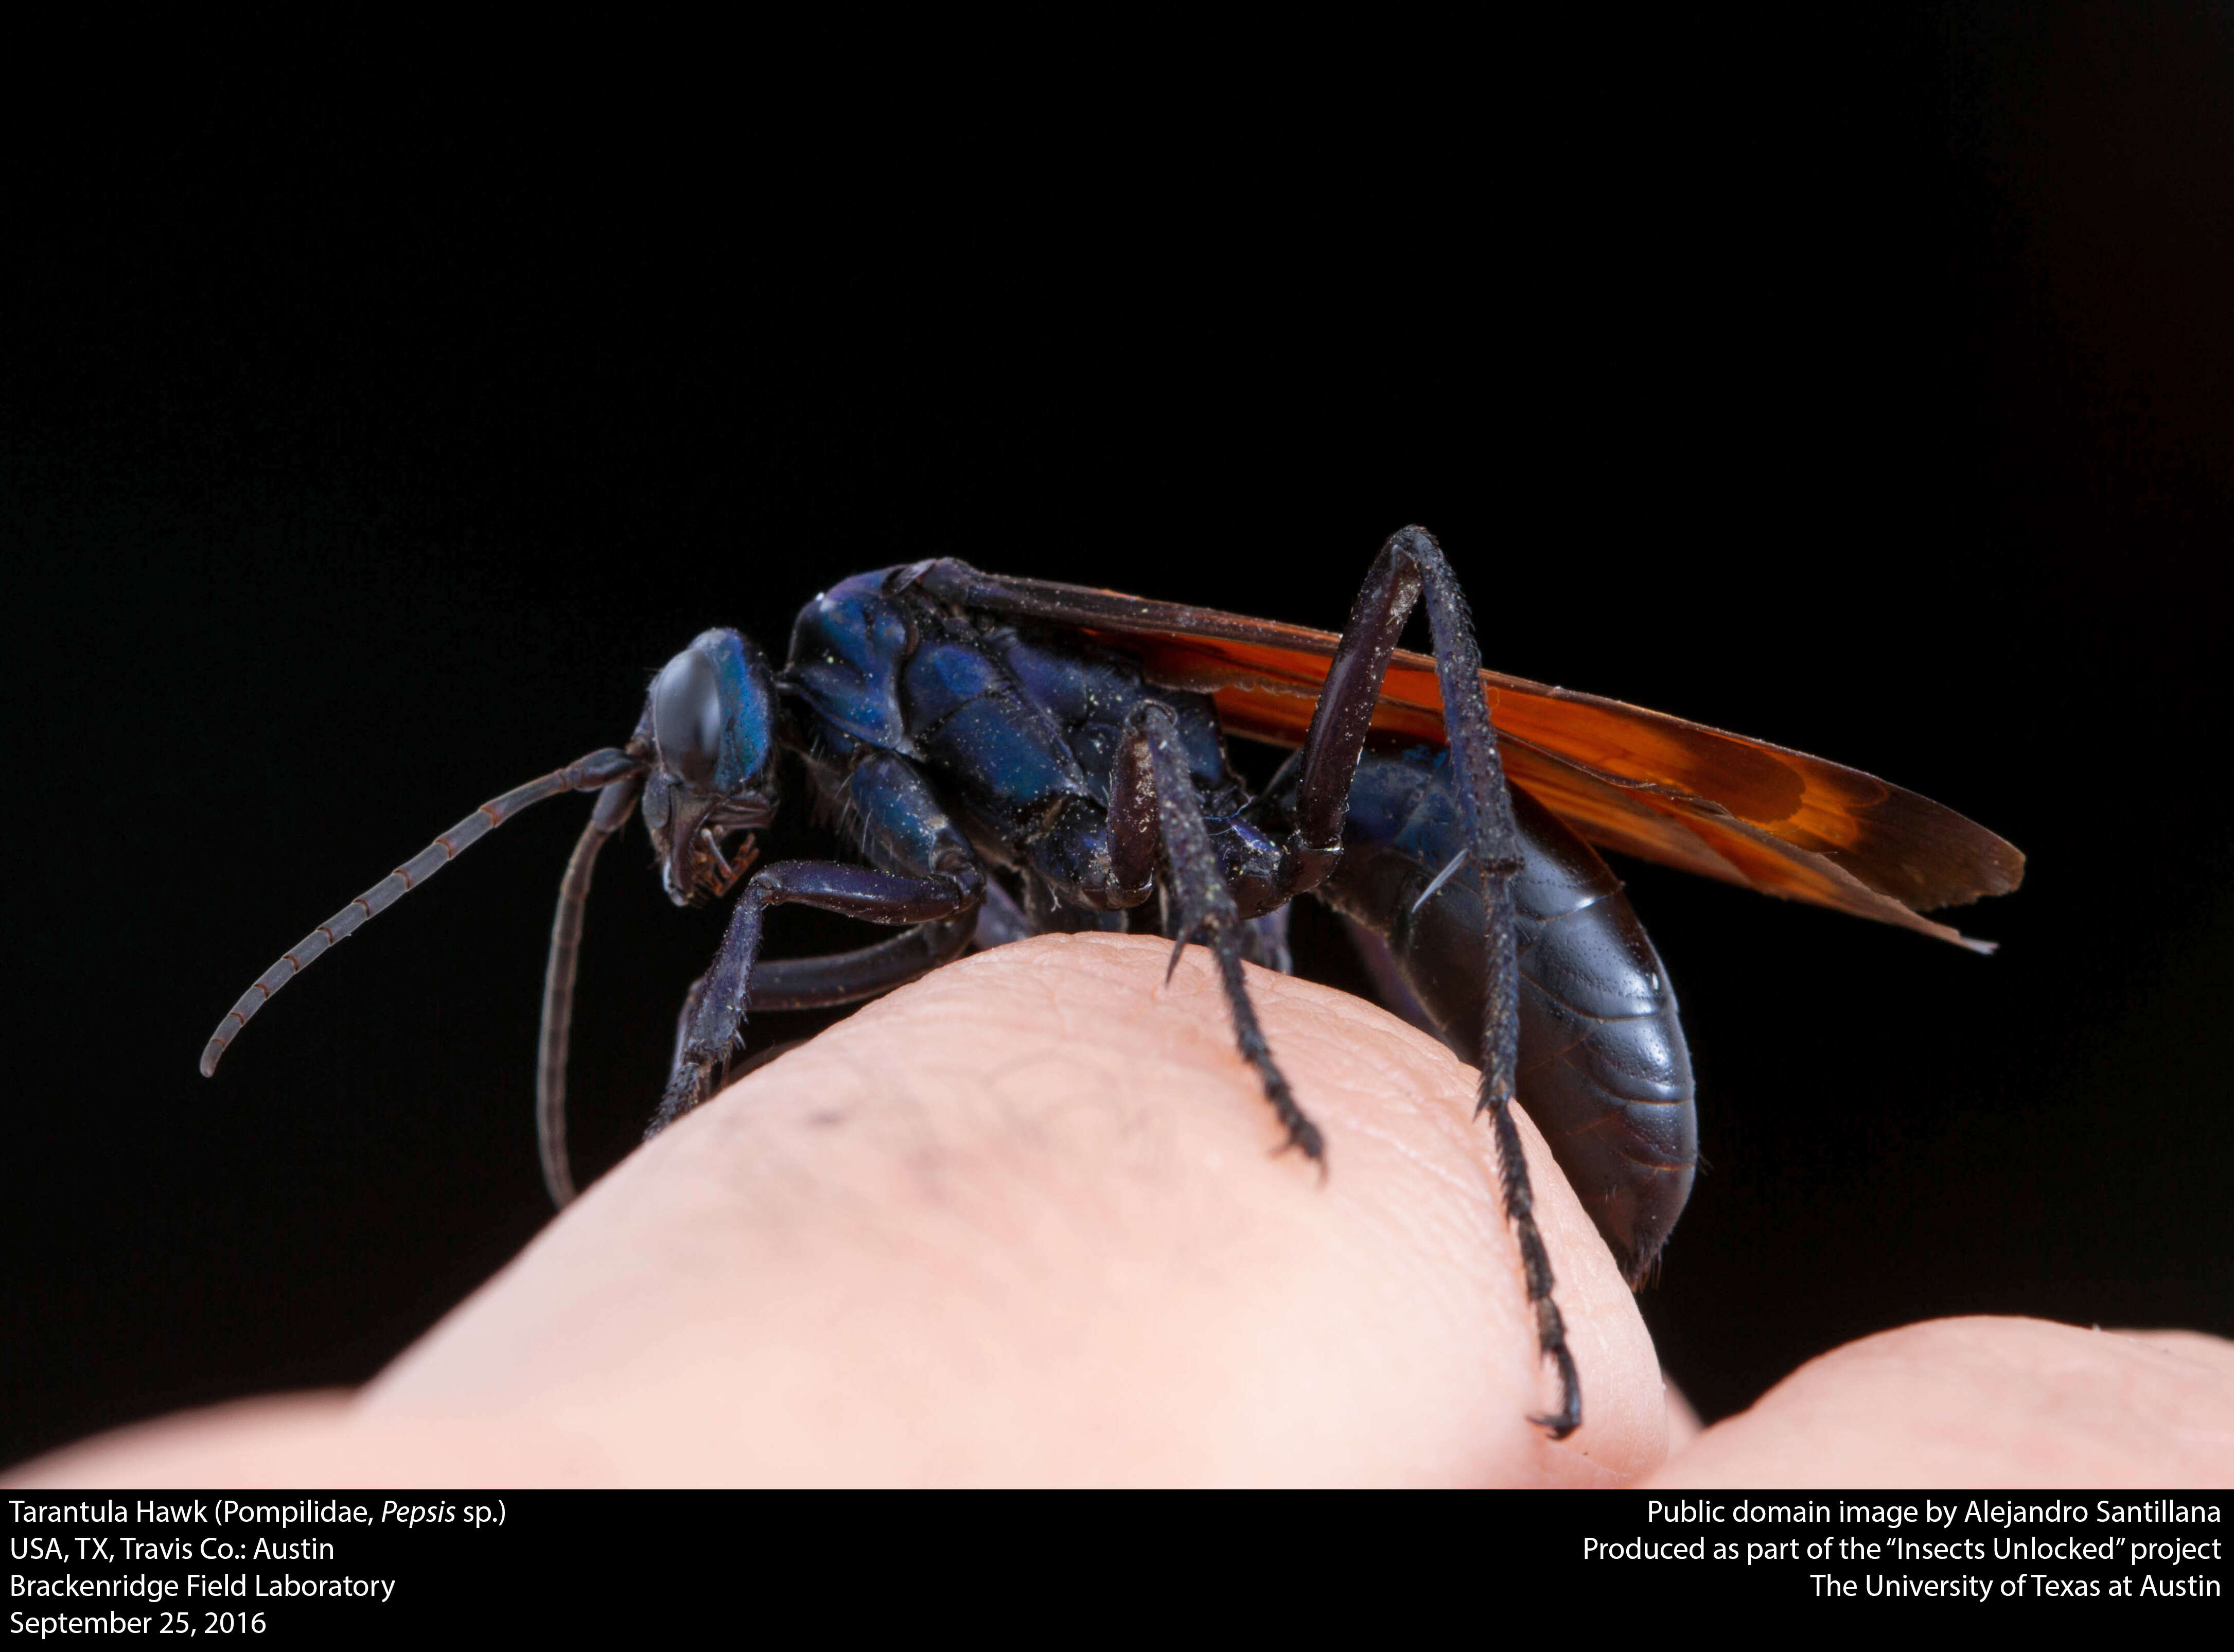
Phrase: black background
(1864, 387)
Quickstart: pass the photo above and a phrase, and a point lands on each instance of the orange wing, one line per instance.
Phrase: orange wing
(1637, 781)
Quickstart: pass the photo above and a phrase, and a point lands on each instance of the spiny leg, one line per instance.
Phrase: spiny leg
(717, 1009)
(836, 978)
(933, 880)
(692, 1002)
(866, 972)
(1410, 566)
(788, 983)
(1152, 797)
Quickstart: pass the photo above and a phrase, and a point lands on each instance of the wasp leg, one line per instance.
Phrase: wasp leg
(1605, 1071)
(865, 972)
(927, 876)
(692, 1002)
(836, 978)
(1411, 567)
(785, 983)
(1151, 798)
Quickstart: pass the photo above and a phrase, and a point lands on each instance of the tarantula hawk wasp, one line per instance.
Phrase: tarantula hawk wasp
(1017, 756)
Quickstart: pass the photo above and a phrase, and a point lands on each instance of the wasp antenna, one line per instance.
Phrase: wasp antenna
(558, 985)
(597, 770)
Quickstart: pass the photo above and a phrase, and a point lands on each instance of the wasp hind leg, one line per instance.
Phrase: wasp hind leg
(1409, 570)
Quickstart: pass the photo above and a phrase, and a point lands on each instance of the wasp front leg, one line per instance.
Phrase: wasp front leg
(1409, 569)
(926, 875)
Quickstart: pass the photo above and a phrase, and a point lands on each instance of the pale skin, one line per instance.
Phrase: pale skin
(1025, 1222)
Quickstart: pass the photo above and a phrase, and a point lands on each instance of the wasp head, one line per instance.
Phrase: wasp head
(711, 717)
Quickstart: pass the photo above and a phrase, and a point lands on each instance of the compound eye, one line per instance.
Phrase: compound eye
(686, 718)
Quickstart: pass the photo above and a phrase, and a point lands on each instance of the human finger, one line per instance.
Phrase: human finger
(1023, 1222)
(2001, 1402)
(1020, 1222)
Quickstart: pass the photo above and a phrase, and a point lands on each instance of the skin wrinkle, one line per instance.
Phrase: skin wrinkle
(1026, 1138)
(1418, 1221)
(1121, 1081)
(925, 1170)
(1021, 1124)
(1419, 1235)
(869, 1216)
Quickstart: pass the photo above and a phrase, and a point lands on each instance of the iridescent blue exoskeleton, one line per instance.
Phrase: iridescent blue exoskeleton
(1013, 757)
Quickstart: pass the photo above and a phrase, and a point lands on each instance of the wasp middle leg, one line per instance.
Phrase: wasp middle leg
(1151, 802)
